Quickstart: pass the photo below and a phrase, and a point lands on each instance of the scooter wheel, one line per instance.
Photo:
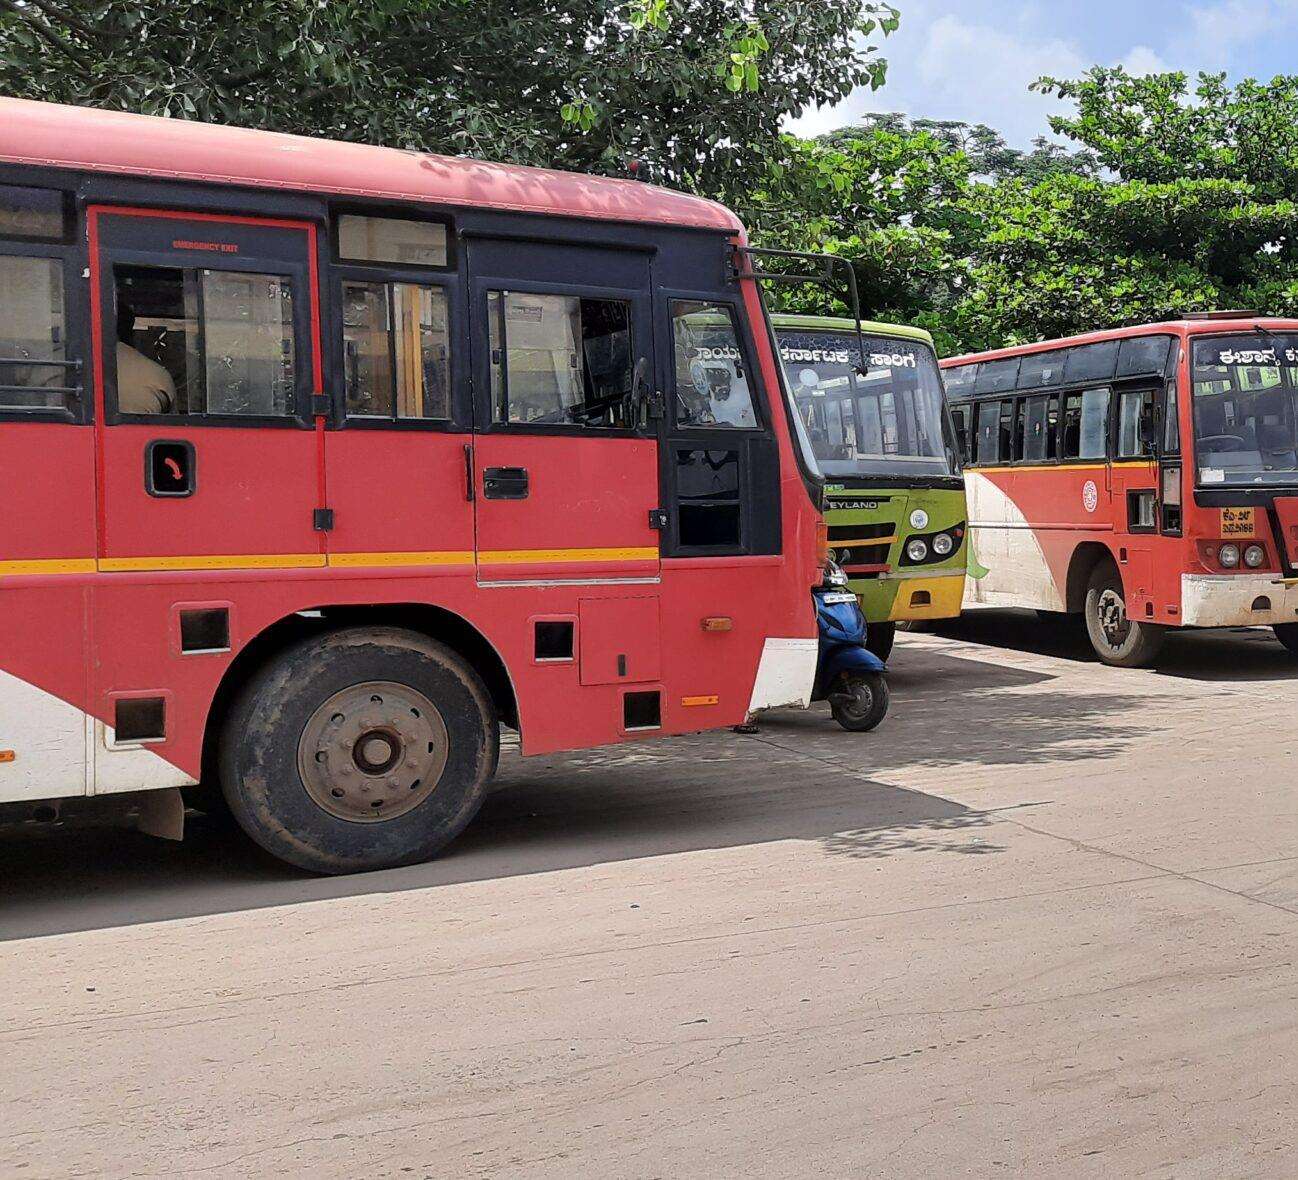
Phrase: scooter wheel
(859, 701)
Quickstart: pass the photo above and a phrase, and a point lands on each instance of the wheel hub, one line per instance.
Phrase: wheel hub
(1113, 618)
(372, 752)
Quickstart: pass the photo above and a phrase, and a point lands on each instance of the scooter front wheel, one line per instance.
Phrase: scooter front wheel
(859, 701)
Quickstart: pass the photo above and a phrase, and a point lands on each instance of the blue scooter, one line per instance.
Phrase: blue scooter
(848, 675)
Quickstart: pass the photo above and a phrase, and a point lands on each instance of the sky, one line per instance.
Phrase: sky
(972, 60)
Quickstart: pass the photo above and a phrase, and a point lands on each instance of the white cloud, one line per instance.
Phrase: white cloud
(1143, 60)
(1217, 30)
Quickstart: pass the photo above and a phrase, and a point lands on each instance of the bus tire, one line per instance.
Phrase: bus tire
(1287, 633)
(360, 749)
(879, 638)
(1118, 640)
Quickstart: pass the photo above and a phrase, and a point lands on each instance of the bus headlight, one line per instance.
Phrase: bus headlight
(1228, 555)
(916, 549)
(943, 544)
(1254, 557)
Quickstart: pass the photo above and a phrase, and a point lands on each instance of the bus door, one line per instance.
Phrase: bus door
(205, 339)
(565, 457)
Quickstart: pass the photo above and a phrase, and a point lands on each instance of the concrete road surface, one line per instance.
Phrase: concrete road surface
(1044, 921)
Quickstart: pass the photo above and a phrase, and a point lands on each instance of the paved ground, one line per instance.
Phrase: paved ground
(1043, 921)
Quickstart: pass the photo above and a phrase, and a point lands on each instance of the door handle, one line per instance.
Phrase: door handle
(504, 483)
(170, 468)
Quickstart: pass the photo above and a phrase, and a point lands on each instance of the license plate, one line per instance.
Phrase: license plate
(1237, 522)
(838, 596)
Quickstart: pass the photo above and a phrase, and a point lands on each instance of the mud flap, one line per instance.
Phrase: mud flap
(162, 814)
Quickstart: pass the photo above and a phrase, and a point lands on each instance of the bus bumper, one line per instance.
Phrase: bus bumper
(927, 596)
(1238, 600)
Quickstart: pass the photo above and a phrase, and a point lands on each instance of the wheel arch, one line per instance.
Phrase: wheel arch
(1081, 566)
(435, 622)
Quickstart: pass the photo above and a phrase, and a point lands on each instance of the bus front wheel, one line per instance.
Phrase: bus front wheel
(879, 638)
(1287, 633)
(360, 749)
(1118, 639)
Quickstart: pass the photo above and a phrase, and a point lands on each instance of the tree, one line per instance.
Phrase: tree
(696, 89)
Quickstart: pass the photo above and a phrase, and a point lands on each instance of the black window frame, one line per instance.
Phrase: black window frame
(67, 250)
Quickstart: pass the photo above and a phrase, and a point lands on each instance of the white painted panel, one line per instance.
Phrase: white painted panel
(1226, 600)
(48, 738)
(131, 768)
(785, 675)
(1005, 545)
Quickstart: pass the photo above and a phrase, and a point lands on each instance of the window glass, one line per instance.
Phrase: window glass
(960, 419)
(560, 360)
(988, 440)
(880, 414)
(712, 387)
(396, 350)
(960, 378)
(1095, 424)
(1091, 362)
(707, 483)
(392, 239)
(1171, 419)
(1041, 368)
(34, 213)
(1011, 439)
(1041, 417)
(212, 342)
(1140, 355)
(1135, 418)
(998, 376)
(1246, 408)
(32, 331)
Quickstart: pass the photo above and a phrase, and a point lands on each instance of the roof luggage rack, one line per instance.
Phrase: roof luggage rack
(1228, 314)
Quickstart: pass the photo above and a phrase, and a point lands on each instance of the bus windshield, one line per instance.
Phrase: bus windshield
(1246, 409)
(885, 421)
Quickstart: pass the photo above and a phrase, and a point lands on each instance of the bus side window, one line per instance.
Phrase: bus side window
(987, 444)
(1085, 430)
(34, 369)
(1019, 430)
(1041, 419)
(1135, 418)
(198, 342)
(1171, 419)
(560, 360)
(712, 386)
(396, 351)
(960, 420)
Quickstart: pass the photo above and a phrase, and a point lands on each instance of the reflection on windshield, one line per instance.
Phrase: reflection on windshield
(1246, 409)
(885, 421)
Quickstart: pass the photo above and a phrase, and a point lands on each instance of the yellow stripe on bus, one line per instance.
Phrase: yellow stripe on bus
(283, 561)
(541, 556)
(60, 565)
(215, 561)
(447, 557)
(1060, 466)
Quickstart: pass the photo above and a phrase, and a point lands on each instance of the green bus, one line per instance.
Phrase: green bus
(880, 429)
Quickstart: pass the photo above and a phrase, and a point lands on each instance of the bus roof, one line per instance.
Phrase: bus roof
(52, 135)
(838, 323)
(1183, 327)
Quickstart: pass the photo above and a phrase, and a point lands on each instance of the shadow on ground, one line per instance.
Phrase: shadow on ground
(800, 778)
(1242, 654)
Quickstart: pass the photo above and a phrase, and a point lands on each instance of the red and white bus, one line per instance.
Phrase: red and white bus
(320, 461)
(1145, 478)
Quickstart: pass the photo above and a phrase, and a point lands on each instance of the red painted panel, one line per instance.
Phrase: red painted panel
(585, 493)
(618, 640)
(395, 491)
(256, 489)
(1286, 508)
(47, 479)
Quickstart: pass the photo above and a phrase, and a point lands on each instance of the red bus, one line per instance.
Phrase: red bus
(1145, 478)
(322, 461)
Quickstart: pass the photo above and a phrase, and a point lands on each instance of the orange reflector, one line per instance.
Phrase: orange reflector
(717, 623)
(7, 755)
(690, 701)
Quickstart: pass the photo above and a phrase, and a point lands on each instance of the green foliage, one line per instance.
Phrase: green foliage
(1167, 200)
(695, 89)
